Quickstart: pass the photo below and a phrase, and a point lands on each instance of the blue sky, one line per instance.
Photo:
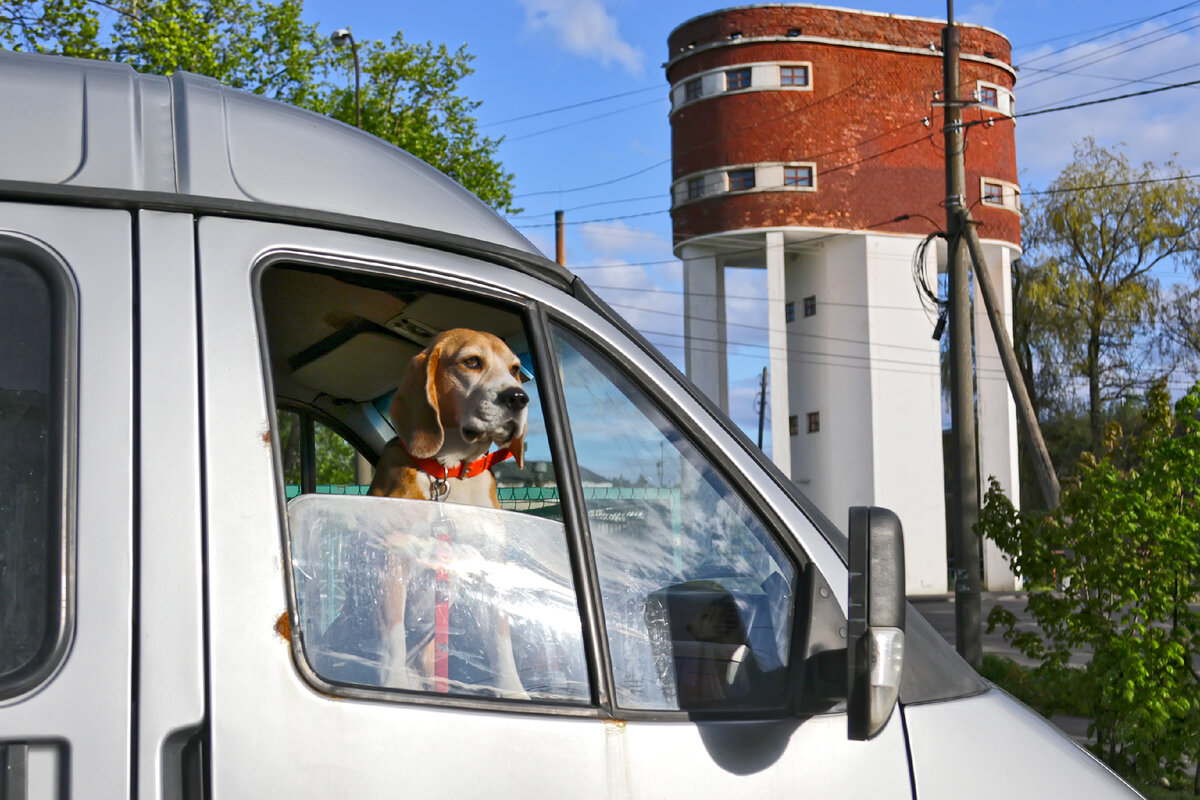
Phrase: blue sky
(533, 56)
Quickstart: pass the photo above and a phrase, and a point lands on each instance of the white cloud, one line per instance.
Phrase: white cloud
(981, 14)
(617, 237)
(585, 28)
(1150, 128)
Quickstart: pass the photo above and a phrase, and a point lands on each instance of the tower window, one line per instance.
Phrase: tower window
(810, 305)
(793, 425)
(693, 89)
(737, 79)
(695, 188)
(993, 193)
(793, 76)
(814, 421)
(797, 176)
(789, 312)
(989, 97)
(741, 179)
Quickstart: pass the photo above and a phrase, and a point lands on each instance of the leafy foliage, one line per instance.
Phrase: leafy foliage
(1085, 300)
(410, 94)
(1124, 551)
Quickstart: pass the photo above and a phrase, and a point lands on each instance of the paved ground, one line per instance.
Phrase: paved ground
(939, 610)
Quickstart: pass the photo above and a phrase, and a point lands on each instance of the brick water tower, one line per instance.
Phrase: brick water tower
(807, 141)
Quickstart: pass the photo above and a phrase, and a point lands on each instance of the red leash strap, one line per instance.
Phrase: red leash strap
(441, 610)
(442, 529)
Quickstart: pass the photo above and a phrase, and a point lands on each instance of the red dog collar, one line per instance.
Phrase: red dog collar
(435, 469)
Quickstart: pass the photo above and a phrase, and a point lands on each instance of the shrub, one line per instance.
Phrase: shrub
(1123, 550)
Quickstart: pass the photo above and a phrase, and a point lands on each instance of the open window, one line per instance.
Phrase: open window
(407, 595)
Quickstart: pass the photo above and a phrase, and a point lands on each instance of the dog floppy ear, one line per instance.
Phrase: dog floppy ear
(517, 448)
(414, 407)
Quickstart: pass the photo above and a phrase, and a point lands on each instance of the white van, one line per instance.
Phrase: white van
(206, 299)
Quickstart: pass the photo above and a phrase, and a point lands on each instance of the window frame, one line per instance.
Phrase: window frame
(807, 68)
(739, 176)
(736, 74)
(737, 482)
(570, 491)
(808, 168)
(537, 317)
(696, 184)
(63, 438)
(693, 89)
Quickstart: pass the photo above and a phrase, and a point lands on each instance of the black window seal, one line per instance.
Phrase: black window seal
(520, 306)
(64, 380)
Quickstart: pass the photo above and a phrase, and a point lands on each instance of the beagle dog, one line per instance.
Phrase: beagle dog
(457, 398)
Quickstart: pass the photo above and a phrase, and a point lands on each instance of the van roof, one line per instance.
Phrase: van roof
(100, 126)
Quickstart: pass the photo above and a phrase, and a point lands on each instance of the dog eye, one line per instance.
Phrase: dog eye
(515, 370)
(472, 362)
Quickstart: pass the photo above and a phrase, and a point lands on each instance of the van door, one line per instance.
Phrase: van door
(322, 720)
(656, 584)
(67, 444)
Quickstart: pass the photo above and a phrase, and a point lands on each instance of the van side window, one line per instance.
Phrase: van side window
(397, 596)
(316, 458)
(31, 475)
(697, 596)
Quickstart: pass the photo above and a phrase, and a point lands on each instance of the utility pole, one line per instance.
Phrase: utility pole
(760, 403)
(1042, 464)
(964, 475)
(560, 248)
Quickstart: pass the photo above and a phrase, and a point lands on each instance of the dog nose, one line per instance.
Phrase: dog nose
(514, 398)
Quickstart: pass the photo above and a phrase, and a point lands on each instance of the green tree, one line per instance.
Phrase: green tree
(410, 95)
(1123, 550)
(1088, 301)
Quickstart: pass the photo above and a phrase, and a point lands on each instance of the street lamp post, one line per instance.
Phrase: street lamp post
(340, 38)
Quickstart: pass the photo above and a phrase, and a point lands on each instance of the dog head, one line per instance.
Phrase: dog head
(460, 395)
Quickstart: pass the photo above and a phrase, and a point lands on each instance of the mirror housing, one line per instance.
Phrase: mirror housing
(875, 620)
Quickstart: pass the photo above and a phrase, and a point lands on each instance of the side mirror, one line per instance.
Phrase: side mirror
(875, 624)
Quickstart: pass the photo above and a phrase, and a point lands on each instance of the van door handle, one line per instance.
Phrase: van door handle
(31, 770)
(14, 768)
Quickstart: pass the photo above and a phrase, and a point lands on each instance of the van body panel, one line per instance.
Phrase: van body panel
(271, 732)
(778, 758)
(170, 595)
(991, 746)
(101, 124)
(79, 718)
(381, 744)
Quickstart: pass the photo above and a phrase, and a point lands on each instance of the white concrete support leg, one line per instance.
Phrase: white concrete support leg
(997, 414)
(777, 341)
(704, 323)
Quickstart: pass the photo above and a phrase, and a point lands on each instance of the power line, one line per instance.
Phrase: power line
(595, 185)
(1124, 81)
(1102, 100)
(599, 219)
(1107, 30)
(573, 123)
(1064, 189)
(784, 114)
(1126, 50)
(657, 196)
(580, 104)
(787, 332)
